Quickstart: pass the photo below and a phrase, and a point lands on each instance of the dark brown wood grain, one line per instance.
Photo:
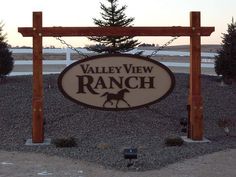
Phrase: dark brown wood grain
(195, 98)
(117, 31)
(37, 127)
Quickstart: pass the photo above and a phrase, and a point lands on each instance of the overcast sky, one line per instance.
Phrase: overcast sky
(18, 13)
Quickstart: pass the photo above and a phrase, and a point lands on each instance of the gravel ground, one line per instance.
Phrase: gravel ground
(101, 136)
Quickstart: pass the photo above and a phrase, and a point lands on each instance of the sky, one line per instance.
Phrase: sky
(75, 13)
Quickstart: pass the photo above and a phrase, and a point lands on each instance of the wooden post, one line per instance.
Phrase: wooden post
(37, 127)
(195, 98)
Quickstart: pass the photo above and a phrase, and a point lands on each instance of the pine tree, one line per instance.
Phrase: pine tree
(225, 61)
(113, 16)
(6, 59)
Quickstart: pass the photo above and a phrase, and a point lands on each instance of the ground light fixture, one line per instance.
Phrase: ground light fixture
(184, 121)
(130, 154)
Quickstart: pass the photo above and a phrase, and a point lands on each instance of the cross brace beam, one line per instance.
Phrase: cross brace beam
(116, 31)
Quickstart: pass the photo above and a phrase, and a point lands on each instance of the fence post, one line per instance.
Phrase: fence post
(68, 59)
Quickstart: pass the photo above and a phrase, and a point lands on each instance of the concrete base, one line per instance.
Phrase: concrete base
(46, 142)
(188, 140)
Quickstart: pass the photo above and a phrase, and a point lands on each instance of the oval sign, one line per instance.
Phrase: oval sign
(116, 82)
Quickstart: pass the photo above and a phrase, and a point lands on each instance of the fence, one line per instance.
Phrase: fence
(207, 58)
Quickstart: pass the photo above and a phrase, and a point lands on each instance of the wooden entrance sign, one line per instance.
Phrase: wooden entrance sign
(194, 31)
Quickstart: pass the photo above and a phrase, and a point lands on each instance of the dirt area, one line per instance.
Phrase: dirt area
(15, 164)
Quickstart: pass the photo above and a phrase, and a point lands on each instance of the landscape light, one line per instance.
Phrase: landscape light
(130, 153)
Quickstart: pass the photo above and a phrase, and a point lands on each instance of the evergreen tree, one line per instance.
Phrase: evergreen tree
(113, 16)
(225, 61)
(6, 59)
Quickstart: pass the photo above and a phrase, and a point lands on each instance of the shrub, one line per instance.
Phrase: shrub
(6, 59)
(65, 142)
(174, 141)
(225, 61)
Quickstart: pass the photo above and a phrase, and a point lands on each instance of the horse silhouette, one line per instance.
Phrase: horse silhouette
(117, 97)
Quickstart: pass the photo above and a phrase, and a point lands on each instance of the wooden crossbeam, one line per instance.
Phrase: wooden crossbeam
(117, 31)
